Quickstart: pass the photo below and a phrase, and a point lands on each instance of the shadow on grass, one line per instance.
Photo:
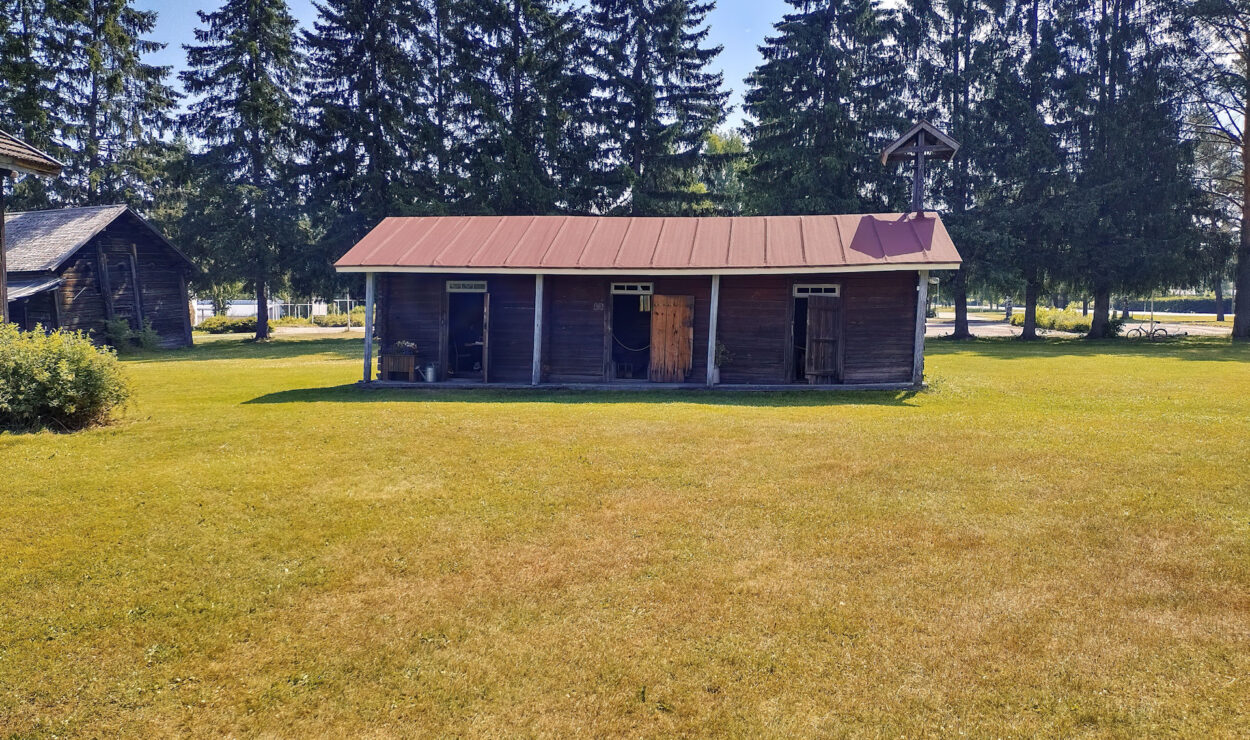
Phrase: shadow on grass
(353, 393)
(238, 348)
(1199, 349)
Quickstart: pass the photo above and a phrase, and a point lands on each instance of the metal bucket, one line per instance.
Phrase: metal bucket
(430, 375)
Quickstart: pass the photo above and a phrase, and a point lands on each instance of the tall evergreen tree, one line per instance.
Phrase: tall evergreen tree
(32, 106)
(655, 101)
(952, 48)
(367, 128)
(242, 73)
(117, 105)
(1130, 215)
(527, 94)
(823, 104)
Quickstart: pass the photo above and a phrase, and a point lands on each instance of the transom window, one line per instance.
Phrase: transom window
(632, 288)
(802, 290)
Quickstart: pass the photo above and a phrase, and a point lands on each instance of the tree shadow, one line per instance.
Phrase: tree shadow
(1195, 349)
(353, 393)
(283, 347)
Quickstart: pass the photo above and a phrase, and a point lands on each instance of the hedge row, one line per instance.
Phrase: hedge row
(59, 380)
(247, 324)
(1182, 304)
(1050, 318)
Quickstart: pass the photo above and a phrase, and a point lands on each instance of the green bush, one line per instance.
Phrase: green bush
(117, 333)
(227, 324)
(59, 380)
(1068, 320)
(340, 319)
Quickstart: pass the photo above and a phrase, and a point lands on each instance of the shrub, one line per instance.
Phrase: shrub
(59, 380)
(1067, 320)
(117, 333)
(1181, 304)
(340, 319)
(146, 338)
(227, 324)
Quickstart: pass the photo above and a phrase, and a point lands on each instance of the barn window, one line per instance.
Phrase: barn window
(632, 288)
(803, 290)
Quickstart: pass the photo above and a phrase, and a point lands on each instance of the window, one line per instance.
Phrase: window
(632, 288)
(466, 286)
(803, 290)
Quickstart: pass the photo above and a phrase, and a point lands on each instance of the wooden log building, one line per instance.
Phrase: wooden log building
(75, 268)
(775, 301)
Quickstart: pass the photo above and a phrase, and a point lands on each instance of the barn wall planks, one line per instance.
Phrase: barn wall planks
(573, 346)
(754, 326)
(412, 307)
(877, 311)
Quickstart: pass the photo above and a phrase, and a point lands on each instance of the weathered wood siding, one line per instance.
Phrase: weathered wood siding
(36, 310)
(413, 308)
(754, 326)
(879, 310)
(574, 338)
(755, 323)
(146, 282)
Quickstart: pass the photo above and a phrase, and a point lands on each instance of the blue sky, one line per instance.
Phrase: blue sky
(738, 25)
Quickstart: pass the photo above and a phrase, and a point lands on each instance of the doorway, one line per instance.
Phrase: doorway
(631, 334)
(468, 333)
(817, 334)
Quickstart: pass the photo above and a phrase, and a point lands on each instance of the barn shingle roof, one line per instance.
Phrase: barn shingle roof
(41, 241)
(36, 241)
(17, 154)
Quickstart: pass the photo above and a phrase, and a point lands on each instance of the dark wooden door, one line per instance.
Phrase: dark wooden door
(824, 339)
(672, 337)
(485, 337)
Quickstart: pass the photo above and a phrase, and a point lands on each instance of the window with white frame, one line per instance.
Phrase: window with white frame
(632, 288)
(803, 290)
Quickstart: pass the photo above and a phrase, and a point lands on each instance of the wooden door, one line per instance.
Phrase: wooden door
(824, 335)
(672, 337)
(485, 337)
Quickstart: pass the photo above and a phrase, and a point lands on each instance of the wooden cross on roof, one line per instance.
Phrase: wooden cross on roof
(922, 141)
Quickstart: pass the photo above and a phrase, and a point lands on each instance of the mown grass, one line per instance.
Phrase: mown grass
(1054, 539)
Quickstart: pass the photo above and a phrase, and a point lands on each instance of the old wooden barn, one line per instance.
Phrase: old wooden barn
(777, 301)
(75, 268)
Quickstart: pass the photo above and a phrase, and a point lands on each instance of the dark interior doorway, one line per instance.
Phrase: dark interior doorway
(466, 336)
(800, 340)
(631, 336)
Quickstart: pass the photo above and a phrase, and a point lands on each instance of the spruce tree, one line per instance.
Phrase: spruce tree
(116, 105)
(823, 104)
(656, 100)
(242, 74)
(527, 123)
(367, 127)
(952, 48)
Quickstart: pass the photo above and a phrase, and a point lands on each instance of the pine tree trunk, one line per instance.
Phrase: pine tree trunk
(959, 294)
(1102, 314)
(1219, 297)
(1029, 331)
(262, 310)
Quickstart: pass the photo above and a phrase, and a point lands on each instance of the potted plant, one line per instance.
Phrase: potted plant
(400, 358)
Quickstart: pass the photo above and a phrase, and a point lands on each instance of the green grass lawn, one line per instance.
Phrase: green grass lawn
(1054, 539)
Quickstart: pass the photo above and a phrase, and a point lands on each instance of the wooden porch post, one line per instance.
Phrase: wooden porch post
(4, 274)
(922, 305)
(536, 370)
(368, 326)
(711, 331)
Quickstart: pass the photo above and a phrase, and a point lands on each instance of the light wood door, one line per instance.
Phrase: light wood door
(824, 335)
(672, 338)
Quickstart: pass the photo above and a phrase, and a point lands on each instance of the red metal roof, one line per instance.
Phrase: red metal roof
(885, 241)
